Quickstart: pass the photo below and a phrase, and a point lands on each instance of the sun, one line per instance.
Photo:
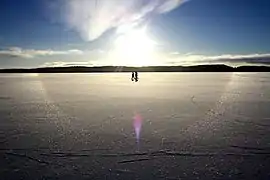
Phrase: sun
(133, 48)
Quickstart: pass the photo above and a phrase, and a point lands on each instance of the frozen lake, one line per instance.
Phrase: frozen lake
(81, 126)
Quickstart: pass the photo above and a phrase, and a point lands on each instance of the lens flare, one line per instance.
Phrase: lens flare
(137, 124)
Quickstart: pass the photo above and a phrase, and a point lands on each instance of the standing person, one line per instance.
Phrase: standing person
(133, 76)
(136, 76)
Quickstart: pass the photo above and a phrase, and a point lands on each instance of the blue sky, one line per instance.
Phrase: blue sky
(38, 33)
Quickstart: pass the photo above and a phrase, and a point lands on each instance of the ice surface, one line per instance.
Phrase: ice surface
(80, 126)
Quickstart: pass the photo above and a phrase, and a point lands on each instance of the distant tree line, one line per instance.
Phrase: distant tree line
(84, 69)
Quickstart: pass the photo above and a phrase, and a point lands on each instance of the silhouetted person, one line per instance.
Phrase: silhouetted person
(133, 76)
(136, 76)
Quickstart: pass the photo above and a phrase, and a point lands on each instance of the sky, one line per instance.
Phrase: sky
(42, 33)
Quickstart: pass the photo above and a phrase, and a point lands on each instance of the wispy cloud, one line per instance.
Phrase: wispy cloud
(91, 18)
(65, 64)
(18, 52)
(99, 57)
(177, 58)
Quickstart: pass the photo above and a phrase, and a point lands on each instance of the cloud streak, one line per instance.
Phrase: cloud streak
(91, 18)
(17, 52)
(177, 58)
(100, 58)
(187, 59)
(65, 64)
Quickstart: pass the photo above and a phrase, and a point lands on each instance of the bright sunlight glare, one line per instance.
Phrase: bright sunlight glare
(134, 48)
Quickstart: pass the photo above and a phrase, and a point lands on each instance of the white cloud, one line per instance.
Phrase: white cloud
(64, 64)
(91, 18)
(225, 58)
(169, 5)
(31, 53)
(175, 53)
(99, 57)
